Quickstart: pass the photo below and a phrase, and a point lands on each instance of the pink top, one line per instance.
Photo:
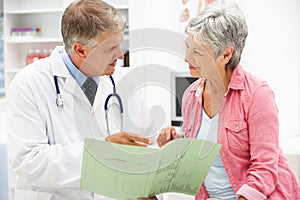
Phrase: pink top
(248, 132)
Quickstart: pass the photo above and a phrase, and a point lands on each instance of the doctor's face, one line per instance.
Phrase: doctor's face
(102, 59)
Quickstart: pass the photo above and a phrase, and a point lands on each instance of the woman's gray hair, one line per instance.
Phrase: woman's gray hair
(83, 21)
(219, 25)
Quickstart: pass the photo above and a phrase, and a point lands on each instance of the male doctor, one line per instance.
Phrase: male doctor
(45, 141)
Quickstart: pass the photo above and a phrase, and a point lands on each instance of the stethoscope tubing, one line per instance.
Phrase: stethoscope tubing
(114, 94)
(60, 101)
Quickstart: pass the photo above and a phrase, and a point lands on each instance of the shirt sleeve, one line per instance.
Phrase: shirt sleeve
(262, 174)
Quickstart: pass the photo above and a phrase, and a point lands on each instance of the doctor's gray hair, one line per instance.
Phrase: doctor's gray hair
(85, 20)
(219, 25)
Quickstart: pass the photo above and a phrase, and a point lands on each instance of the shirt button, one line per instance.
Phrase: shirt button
(223, 154)
(237, 127)
(229, 171)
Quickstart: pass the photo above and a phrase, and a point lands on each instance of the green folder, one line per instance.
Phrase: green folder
(127, 172)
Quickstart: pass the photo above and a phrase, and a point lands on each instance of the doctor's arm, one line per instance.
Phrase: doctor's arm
(32, 158)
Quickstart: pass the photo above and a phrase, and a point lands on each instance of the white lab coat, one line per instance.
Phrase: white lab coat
(45, 143)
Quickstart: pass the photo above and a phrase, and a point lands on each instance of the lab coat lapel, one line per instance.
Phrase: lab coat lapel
(72, 86)
(103, 90)
(59, 69)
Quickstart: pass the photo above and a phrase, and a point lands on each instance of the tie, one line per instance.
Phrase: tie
(89, 88)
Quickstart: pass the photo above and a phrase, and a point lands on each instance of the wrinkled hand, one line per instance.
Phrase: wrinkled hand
(129, 139)
(167, 134)
(153, 198)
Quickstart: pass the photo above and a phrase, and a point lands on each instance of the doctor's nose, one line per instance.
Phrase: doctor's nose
(119, 53)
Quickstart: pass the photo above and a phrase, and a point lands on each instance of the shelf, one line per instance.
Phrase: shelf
(34, 11)
(25, 39)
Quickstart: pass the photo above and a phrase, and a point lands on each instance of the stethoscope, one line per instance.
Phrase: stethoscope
(60, 101)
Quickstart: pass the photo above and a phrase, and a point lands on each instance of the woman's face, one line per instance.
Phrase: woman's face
(200, 59)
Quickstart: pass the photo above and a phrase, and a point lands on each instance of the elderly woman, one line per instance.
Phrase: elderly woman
(250, 164)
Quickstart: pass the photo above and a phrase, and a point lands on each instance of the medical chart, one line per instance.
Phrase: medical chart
(127, 172)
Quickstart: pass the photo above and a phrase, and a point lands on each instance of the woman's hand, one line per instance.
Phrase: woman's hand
(129, 139)
(167, 134)
(242, 198)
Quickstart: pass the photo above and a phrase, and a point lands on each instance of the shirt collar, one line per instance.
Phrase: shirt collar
(237, 78)
(74, 71)
(198, 84)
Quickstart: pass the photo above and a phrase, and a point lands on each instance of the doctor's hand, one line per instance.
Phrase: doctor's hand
(166, 135)
(129, 139)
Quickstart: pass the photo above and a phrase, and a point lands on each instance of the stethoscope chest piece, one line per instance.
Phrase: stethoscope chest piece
(59, 100)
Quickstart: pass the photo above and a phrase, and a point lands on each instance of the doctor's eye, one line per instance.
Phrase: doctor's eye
(113, 48)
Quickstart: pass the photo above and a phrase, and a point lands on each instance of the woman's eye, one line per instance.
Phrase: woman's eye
(198, 53)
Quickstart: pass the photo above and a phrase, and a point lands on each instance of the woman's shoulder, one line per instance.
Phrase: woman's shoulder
(242, 79)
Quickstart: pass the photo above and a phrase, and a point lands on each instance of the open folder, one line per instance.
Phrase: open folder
(127, 172)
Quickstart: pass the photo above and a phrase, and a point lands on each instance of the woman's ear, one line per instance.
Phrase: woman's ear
(80, 50)
(227, 54)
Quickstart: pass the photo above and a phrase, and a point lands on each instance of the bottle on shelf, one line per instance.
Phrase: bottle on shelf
(44, 53)
(37, 54)
(30, 56)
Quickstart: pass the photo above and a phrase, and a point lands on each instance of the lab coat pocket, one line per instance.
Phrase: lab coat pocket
(237, 134)
(31, 195)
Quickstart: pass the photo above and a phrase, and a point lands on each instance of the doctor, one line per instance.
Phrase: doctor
(49, 114)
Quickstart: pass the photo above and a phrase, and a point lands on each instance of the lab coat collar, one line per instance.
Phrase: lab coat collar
(59, 69)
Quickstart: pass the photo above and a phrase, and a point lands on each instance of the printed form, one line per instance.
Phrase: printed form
(127, 172)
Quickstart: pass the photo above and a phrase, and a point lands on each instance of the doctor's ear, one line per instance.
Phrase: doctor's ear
(80, 50)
